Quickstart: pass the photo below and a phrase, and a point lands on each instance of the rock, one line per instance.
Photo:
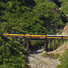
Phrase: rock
(36, 60)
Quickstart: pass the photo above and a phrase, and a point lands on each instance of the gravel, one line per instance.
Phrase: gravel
(35, 60)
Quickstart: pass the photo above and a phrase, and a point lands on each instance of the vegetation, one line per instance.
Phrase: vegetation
(11, 54)
(25, 16)
(51, 55)
(64, 60)
(63, 5)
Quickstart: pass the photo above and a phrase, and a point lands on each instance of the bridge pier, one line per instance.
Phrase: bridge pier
(27, 46)
(50, 42)
(24, 43)
(45, 45)
(63, 42)
(58, 43)
(54, 45)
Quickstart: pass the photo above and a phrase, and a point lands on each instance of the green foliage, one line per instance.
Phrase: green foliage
(42, 18)
(51, 55)
(12, 55)
(36, 44)
(67, 23)
(64, 60)
(64, 4)
(57, 44)
(52, 44)
(25, 16)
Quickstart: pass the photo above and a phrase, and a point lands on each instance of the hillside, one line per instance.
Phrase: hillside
(64, 4)
(63, 46)
(65, 30)
(26, 16)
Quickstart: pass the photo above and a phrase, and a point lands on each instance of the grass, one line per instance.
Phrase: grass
(51, 55)
(64, 60)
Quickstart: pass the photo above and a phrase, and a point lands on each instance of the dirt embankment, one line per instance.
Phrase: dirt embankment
(36, 60)
(65, 31)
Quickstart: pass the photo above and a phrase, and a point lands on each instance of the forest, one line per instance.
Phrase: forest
(27, 16)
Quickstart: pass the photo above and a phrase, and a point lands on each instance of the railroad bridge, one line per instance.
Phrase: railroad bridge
(29, 37)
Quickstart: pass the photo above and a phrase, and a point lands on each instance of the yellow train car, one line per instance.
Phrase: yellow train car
(36, 36)
(13, 35)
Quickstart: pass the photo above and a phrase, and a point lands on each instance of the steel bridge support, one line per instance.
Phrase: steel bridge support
(45, 45)
(27, 46)
(54, 45)
(50, 42)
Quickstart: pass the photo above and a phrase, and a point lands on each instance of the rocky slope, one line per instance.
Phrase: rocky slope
(65, 30)
(36, 60)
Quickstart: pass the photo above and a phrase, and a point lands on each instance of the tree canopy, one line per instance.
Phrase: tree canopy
(64, 4)
(25, 16)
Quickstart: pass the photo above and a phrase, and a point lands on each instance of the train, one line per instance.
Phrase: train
(36, 36)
